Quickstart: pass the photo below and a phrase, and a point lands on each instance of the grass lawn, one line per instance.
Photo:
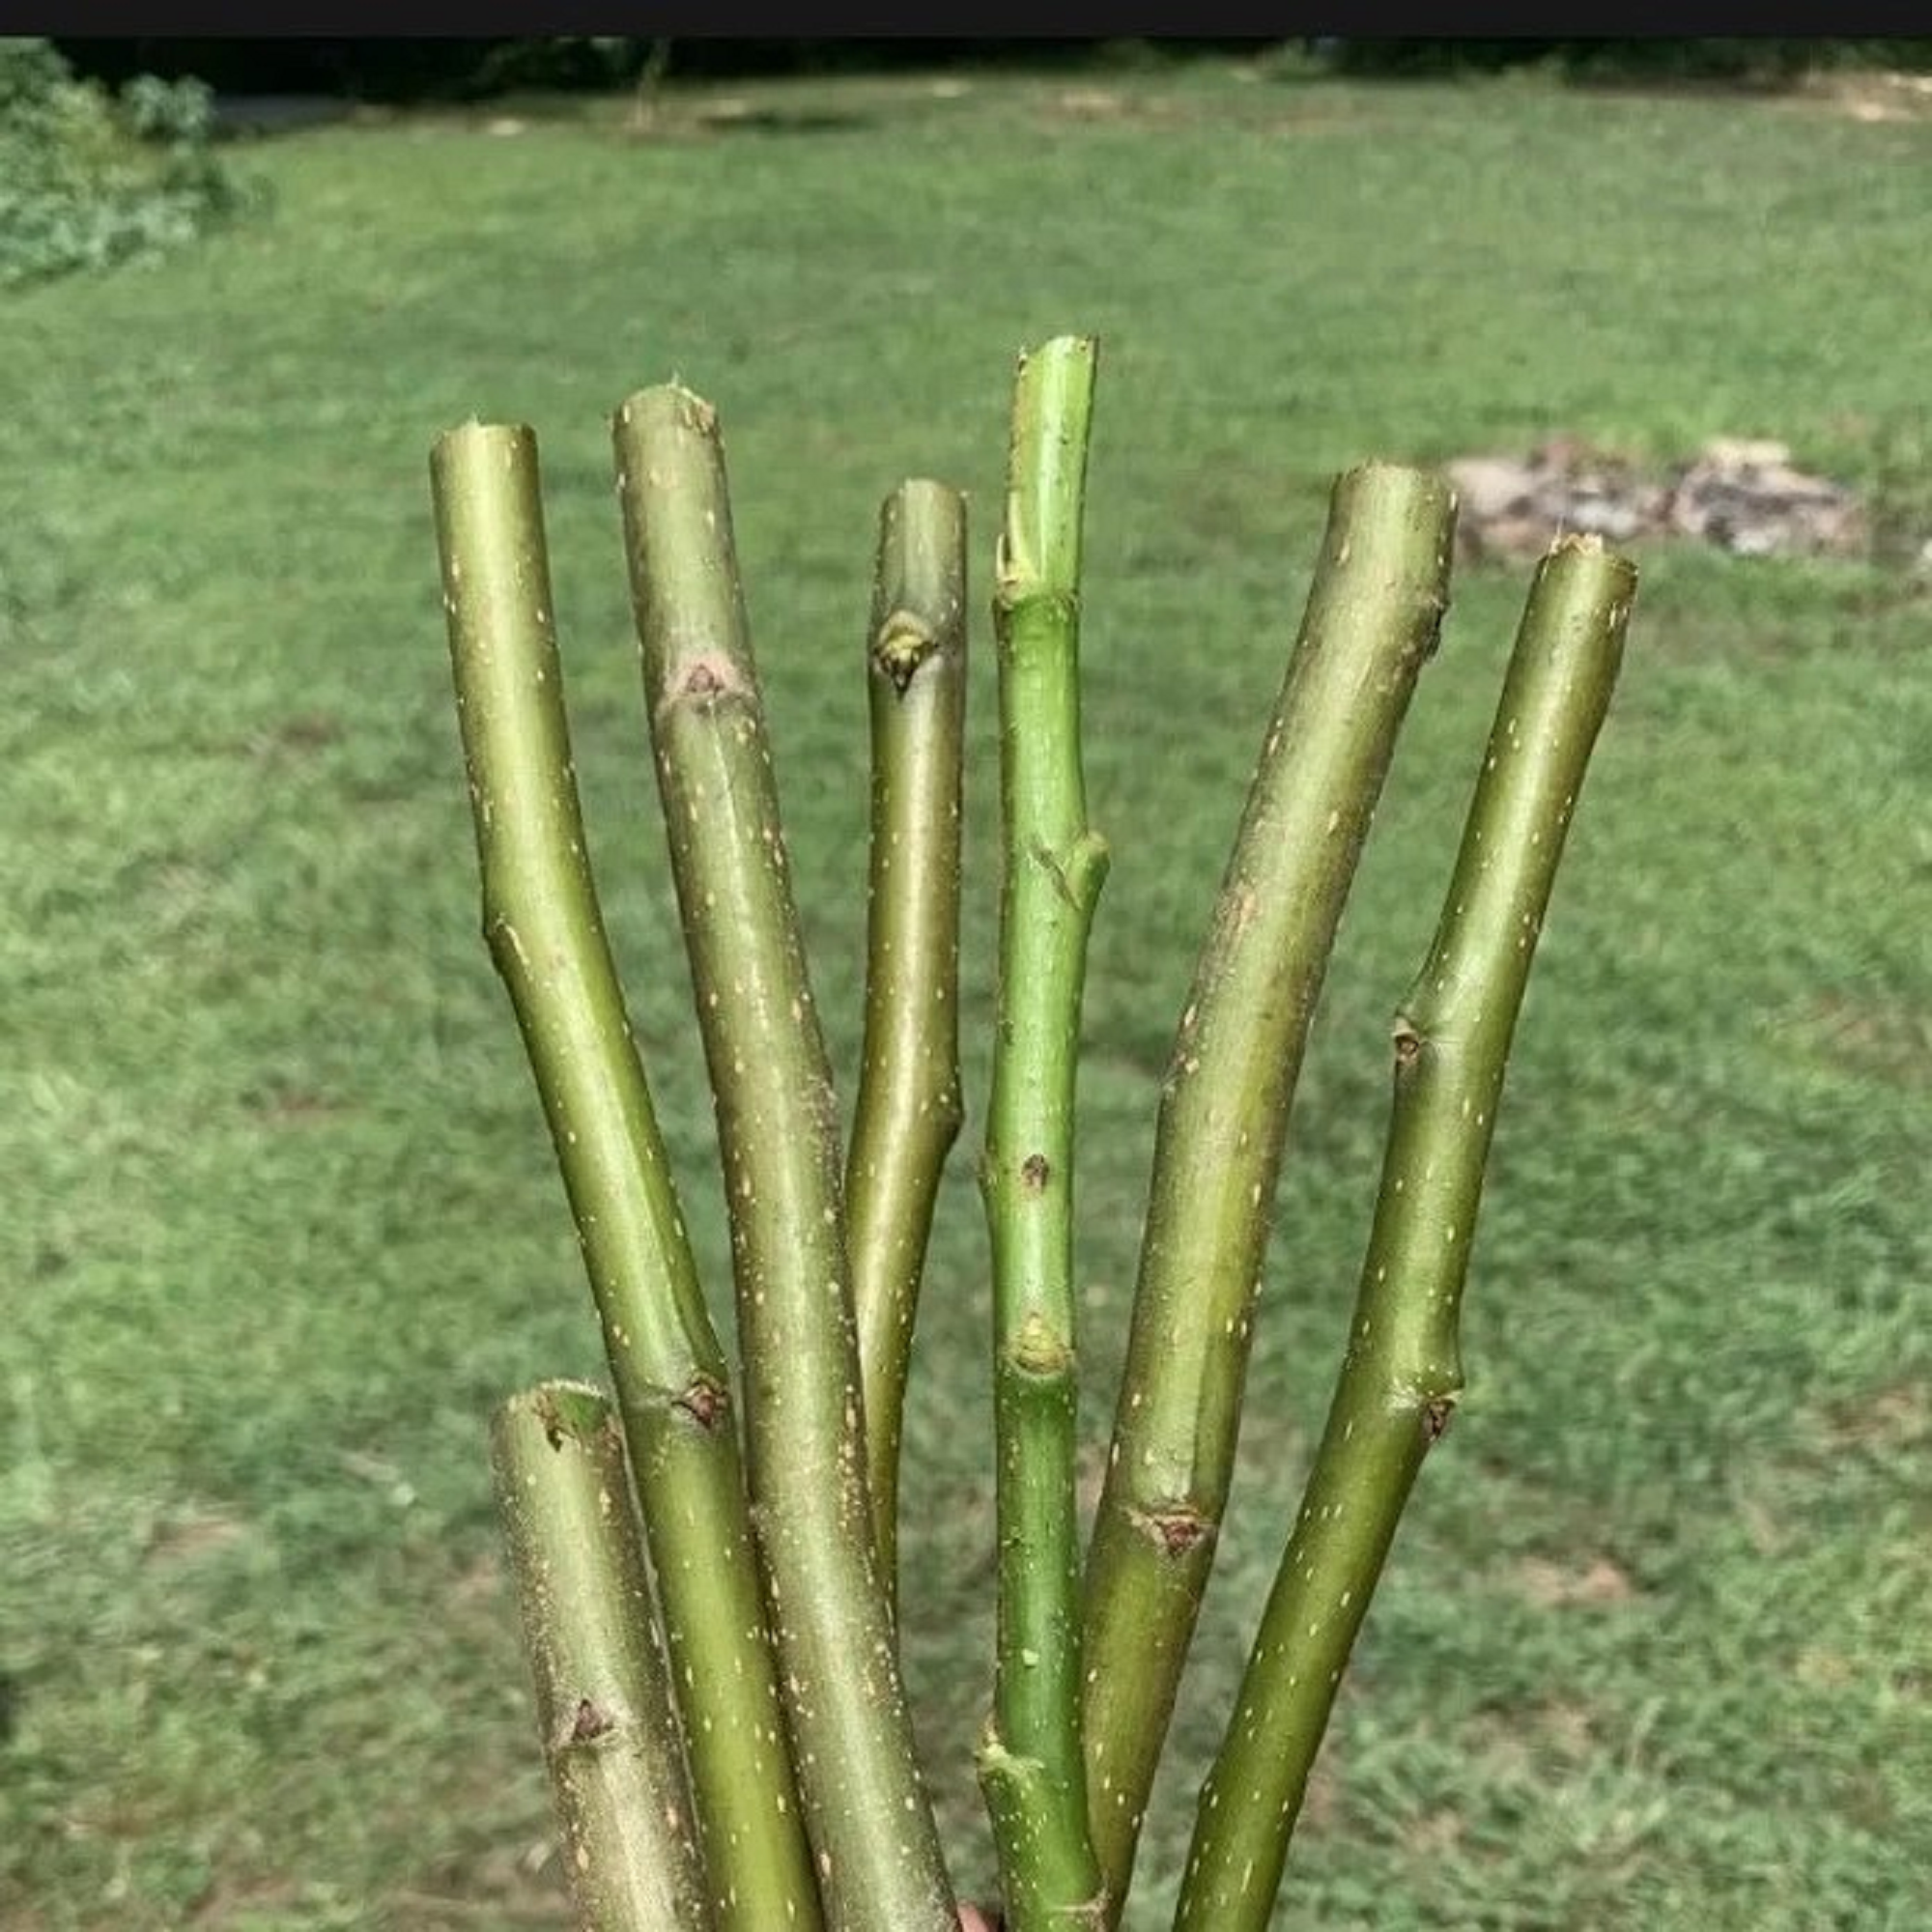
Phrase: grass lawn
(283, 1223)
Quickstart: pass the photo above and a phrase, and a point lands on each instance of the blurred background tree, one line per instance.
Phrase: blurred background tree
(476, 67)
(90, 178)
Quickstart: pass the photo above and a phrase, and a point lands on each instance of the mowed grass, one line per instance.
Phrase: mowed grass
(282, 1222)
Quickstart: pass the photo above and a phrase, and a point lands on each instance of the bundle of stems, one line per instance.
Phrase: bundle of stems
(1379, 590)
(604, 1703)
(878, 1854)
(725, 1723)
(1402, 1371)
(546, 935)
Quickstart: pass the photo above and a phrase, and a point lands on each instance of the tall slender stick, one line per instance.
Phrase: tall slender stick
(879, 1860)
(546, 934)
(1030, 1763)
(907, 1114)
(603, 1705)
(1379, 590)
(1403, 1372)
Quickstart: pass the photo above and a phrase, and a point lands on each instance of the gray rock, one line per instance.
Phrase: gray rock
(1743, 494)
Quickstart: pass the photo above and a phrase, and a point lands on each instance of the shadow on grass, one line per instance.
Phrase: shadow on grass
(728, 118)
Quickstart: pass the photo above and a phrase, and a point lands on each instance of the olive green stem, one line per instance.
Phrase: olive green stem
(546, 935)
(1379, 590)
(907, 1114)
(872, 1828)
(1401, 1373)
(1030, 1764)
(604, 1708)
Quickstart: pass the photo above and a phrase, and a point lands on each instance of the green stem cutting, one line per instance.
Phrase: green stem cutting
(879, 1862)
(1379, 590)
(604, 1704)
(1030, 1764)
(1403, 1374)
(546, 935)
(907, 1113)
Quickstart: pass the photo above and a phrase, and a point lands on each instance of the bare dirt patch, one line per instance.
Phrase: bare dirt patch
(1571, 1730)
(1434, 1834)
(484, 1581)
(1526, 1742)
(191, 1533)
(291, 1106)
(1742, 495)
(1871, 96)
(1886, 1420)
(231, 1901)
(297, 736)
(1553, 1586)
(1889, 1042)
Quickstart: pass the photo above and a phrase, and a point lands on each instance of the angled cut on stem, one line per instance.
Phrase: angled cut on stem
(908, 1110)
(1030, 1764)
(1402, 1373)
(604, 1706)
(546, 935)
(877, 1849)
(1379, 594)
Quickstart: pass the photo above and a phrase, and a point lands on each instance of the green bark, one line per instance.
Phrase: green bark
(1381, 587)
(546, 935)
(1030, 1764)
(1402, 1373)
(878, 1854)
(907, 1114)
(604, 1708)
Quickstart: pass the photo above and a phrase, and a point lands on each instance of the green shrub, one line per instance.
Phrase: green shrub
(1760, 62)
(88, 180)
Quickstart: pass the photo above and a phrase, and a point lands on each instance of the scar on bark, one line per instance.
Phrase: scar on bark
(704, 1402)
(1178, 1527)
(705, 675)
(903, 645)
(590, 1722)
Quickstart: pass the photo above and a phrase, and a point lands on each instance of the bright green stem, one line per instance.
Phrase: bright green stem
(546, 935)
(602, 1695)
(907, 1114)
(1403, 1372)
(1381, 586)
(1030, 1764)
(872, 1828)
